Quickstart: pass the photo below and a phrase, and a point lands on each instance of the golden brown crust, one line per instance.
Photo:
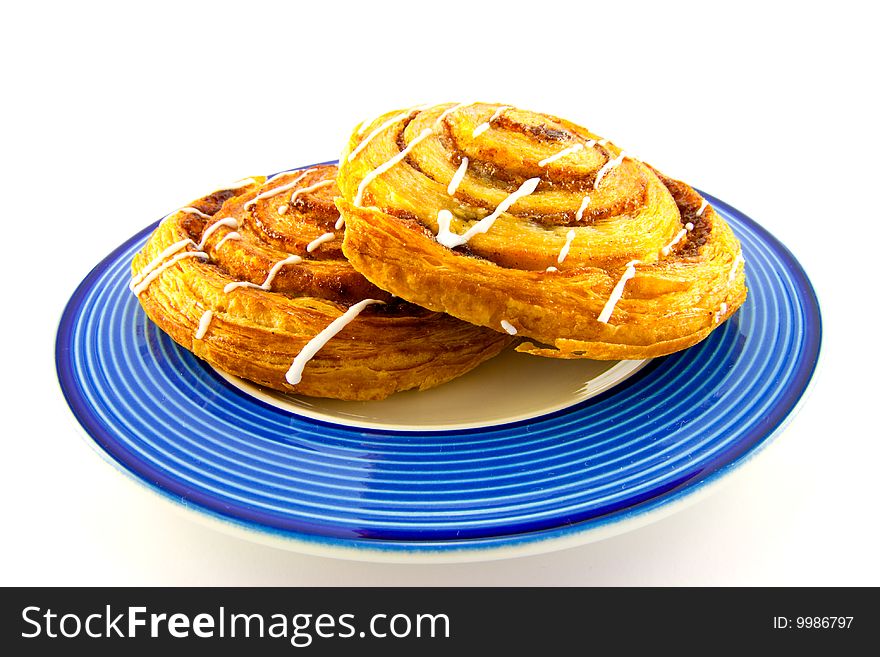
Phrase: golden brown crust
(675, 299)
(257, 333)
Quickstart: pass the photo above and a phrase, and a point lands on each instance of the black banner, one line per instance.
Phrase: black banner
(337, 621)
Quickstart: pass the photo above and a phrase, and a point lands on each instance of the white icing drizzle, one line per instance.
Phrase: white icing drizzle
(551, 269)
(229, 236)
(204, 322)
(675, 240)
(733, 268)
(282, 208)
(444, 221)
(315, 243)
(499, 112)
(228, 222)
(444, 218)
(590, 143)
(278, 190)
(145, 283)
(238, 184)
(191, 210)
(617, 292)
(580, 213)
(375, 133)
(565, 151)
(702, 207)
(339, 222)
(480, 129)
(267, 284)
(311, 188)
(158, 260)
(148, 274)
(688, 227)
(382, 168)
(363, 125)
(507, 326)
(448, 112)
(563, 252)
(720, 312)
(610, 164)
(313, 346)
(458, 177)
(602, 142)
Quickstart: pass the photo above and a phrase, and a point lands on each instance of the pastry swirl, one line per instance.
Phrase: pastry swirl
(253, 280)
(529, 224)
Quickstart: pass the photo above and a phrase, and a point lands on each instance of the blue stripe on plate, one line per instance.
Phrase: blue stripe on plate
(685, 419)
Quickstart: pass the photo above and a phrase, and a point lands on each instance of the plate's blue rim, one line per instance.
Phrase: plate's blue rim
(787, 407)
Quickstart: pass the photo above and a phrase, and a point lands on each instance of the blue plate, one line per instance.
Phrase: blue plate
(607, 464)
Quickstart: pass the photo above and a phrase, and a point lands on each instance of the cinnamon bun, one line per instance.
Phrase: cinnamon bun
(533, 226)
(252, 279)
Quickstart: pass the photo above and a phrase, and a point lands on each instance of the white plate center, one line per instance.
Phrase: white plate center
(509, 388)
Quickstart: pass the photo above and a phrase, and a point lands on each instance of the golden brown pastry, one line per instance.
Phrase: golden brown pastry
(253, 280)
(529, 224)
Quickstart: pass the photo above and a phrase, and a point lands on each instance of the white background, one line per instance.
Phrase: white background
(114, 114)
